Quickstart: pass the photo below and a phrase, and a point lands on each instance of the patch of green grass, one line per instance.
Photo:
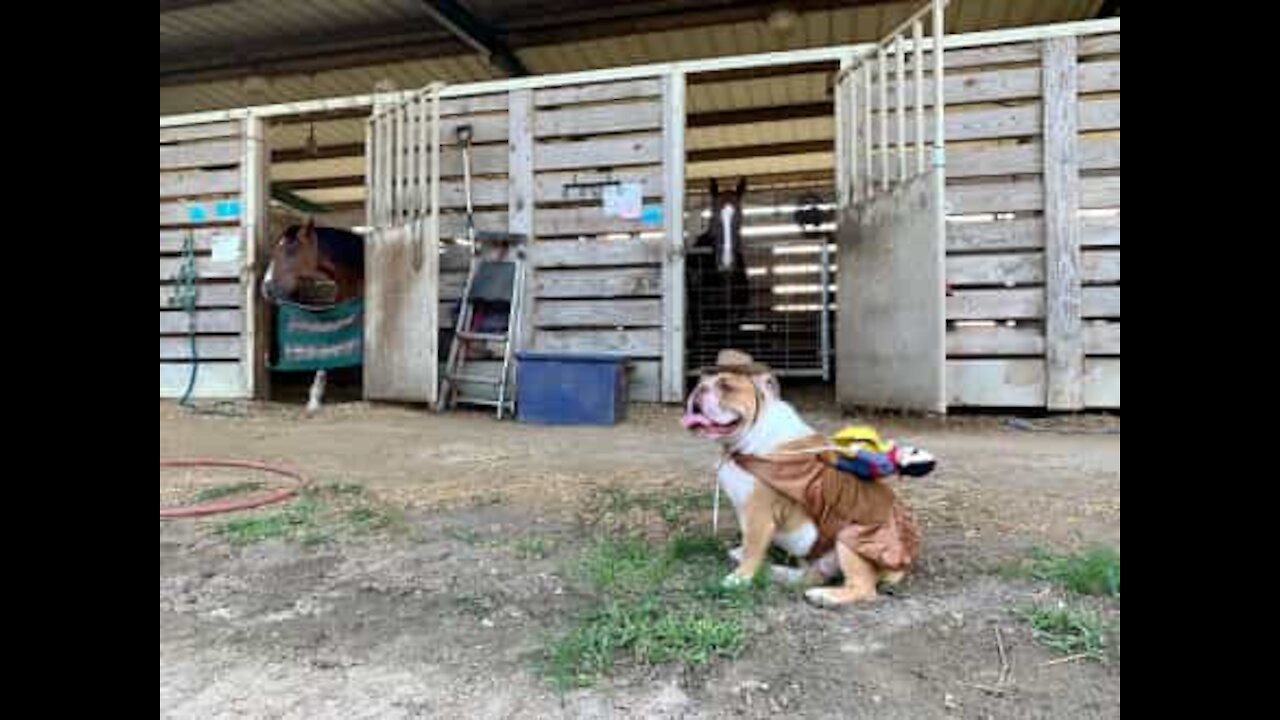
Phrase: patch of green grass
(534, 548)
(221, 491)
(628, 566)
(649, 631)
(673, 507)
(338, 488)
(1070, 629)
(316, 516)
(286, 522)
(654, 604)
(367, 519)
(685, 547)
(1095, 571)
(474, 605)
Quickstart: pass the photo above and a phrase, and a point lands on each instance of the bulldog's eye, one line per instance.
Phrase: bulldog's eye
(721, 385)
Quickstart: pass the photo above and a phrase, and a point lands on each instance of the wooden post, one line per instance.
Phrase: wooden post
(1064, 331)
(673, 289)
(939, 176)
(256, 341)
(521, 202)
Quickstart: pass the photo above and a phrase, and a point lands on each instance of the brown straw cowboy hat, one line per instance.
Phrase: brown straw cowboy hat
(736, 361)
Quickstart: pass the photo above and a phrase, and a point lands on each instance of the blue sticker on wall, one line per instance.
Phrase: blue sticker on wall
(196, 213)
(651, 215)
(227, 209)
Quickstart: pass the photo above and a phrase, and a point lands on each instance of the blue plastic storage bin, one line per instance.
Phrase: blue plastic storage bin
(555, 388)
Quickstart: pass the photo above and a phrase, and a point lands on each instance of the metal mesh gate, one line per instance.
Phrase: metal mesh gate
(782, 310)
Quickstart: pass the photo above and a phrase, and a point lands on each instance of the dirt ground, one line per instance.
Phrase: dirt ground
(445, 619)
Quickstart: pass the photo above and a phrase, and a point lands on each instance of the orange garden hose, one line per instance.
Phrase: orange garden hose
(214, 507)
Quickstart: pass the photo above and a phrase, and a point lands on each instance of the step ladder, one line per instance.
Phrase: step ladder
(495, 279)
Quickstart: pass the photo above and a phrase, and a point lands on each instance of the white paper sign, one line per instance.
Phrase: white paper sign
(623, 200)
(226, 248)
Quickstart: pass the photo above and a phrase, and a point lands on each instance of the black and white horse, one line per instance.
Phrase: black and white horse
(715, 268)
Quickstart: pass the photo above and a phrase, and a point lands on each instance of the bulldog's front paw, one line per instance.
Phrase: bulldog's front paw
(833, 597)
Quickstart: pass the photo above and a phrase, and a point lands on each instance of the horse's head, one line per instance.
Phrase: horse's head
(294, 272)
(725, 228)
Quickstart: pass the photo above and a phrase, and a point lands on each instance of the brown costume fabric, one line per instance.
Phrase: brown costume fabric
(864, 516)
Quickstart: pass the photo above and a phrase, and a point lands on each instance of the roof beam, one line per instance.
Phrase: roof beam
(324, 152)
(321, 183)
(171, 5)
(297, 202)
(740, 152)
(476, 33)
(760, 114)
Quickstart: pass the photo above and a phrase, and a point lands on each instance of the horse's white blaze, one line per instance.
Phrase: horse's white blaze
(726, 236)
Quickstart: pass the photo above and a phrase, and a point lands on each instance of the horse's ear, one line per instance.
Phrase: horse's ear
(715, 188)
(309, 226)
(741, 189)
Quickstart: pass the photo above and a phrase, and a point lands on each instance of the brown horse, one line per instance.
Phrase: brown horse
(315, 266)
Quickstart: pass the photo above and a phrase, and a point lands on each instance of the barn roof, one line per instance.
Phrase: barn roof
(219, 54)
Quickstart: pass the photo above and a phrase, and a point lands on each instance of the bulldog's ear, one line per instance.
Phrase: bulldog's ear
(768, 385)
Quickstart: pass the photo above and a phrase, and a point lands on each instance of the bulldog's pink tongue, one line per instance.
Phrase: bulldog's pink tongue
(692, 421)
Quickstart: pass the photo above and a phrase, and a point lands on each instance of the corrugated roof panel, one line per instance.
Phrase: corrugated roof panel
(247, 21)
(814, 29)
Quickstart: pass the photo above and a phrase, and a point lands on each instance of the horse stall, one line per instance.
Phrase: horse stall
(599, 277)
(980, 245)
(964, 259)
(212, 209)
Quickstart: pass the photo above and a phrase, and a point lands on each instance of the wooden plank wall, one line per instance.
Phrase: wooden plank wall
(595, 281)
(1033, 236)
(201, 197)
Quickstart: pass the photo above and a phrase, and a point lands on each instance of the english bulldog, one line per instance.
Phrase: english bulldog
(779, 474)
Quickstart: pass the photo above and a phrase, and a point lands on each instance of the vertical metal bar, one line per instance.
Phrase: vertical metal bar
(370, 183)
(900, 91)
(939, 178)
(424, 154)
(434, 234)
(401, 115)
(824, 314)
(851, 115)
(417, 180)
(917, 46)
(844, 172)
(882, 61)
(386, 141)
(939, 124)
(866, 125)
